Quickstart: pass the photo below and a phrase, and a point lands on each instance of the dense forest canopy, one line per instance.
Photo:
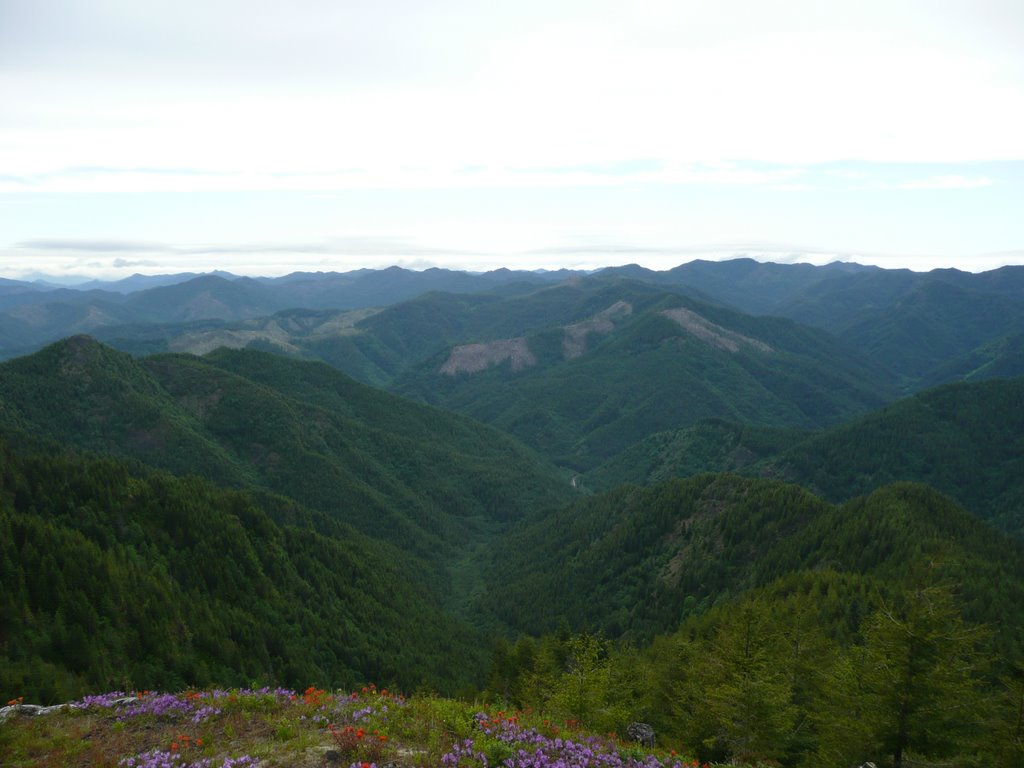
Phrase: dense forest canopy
(633, 496)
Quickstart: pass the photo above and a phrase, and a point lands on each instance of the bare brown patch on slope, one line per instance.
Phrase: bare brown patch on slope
(713, 334)
(283, 331)
(575, 342)
(473, 358)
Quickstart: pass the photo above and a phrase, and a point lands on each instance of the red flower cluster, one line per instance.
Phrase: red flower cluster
(314, 695)
(184, 741)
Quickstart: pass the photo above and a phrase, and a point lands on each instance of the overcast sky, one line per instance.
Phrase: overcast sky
(262, 137)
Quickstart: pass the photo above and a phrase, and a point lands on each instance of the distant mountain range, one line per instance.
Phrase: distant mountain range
(925, 328)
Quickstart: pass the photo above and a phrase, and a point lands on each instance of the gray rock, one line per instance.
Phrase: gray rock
(28, 710)
(641, 733)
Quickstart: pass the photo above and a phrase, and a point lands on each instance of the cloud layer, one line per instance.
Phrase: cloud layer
(510, 128)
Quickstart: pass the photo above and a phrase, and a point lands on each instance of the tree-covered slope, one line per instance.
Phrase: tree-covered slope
(711, 445)
(393, 468)
(1000, 358)
(754, 287)
(966, 440)
(582, 396)
(932, 325)
(635, 561)
(117, 577)
(32, 315)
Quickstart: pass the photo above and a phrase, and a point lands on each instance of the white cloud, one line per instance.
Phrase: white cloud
(946, 182)
(317, 87)
(421, 176)
(663, 121)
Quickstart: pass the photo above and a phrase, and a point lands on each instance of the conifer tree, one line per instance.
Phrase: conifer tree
(749, 692)
(913, 687)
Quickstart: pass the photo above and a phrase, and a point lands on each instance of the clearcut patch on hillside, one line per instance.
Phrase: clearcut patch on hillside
(713, 334)
(473, 358)
(575, 342)
(280, 330)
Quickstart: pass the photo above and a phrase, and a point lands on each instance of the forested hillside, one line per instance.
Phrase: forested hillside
(33, 314)
(966, 440)
(613, 498)
(415, 476)
(578, 371)
(644, 365)
(633, 562)
(920, 325)
(117, 577)
(887, 628)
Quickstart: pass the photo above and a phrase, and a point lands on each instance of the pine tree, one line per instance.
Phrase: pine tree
(918, 689)
(749, 689)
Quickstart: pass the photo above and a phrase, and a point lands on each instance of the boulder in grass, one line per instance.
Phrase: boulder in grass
(641, 733)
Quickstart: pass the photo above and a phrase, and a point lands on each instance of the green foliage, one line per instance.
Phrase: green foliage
(966, 440)
(416, 476)
(766, 679)
(582, 410)
(635, 562)
(1002, 357)
(932, 325)
(117, 579)
(712, 445)
(589, 689)
(913, 688)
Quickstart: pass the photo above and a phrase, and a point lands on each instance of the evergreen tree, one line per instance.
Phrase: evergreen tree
(918, 690)
(748, 690)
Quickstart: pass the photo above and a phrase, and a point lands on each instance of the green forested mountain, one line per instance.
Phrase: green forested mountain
(244, 516)
(710, 445)
(379, 345)
(743, 616)
(636, 561)
(417, 476)
(598, 362)
(931, 326)
(841, 301)
(116, 577)
(818, 668)
(885, 629)
(1002, 357)
(580, 395)
(754, 287)
(32, 314)
(917, 323)
(966, 440)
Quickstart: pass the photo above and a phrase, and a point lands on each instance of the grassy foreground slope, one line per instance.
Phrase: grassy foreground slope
(309, 729)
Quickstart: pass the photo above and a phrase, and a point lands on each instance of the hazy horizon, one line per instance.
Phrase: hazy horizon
(73, 280)
(265, 138)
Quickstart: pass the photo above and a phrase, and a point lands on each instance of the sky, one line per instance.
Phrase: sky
(259, 137)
